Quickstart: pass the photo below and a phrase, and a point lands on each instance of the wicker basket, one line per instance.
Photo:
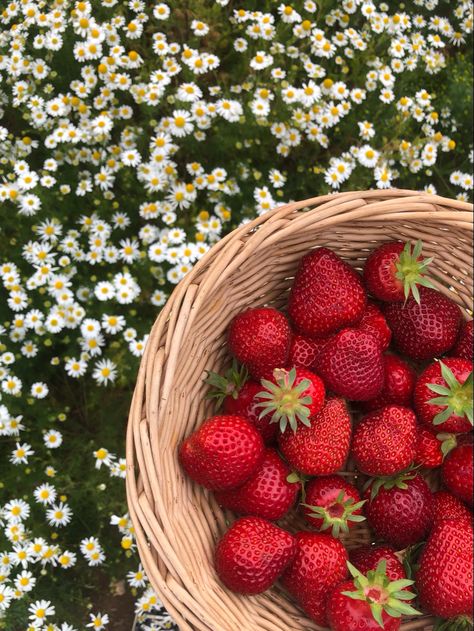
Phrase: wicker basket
(176, 521)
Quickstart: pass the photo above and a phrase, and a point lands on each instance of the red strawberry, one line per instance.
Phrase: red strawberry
(444, 577)
(457, 472)
(292, 396)
(431, 449)
(319, 565)
(399, 509)
(447, 506)
(252, 554)
(260, 339)
(267, 493)
(367, 558)
(322, 448)
(384, 441)
(332, 502)
(425, 330)
(464, 344)
(373, 321)
(304, 351)
(369, 602)
(351, 365)
(327, 294)
(394, 270)
(236, 394)
(399, 381)
(451, 411)
(222, 453)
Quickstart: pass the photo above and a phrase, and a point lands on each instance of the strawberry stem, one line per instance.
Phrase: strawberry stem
(411, 268)
(381, 594)
(226, 385)
(455, 397)
(284, 400)
(338, 514)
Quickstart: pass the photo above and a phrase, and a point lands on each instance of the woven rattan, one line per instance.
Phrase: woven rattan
(178, 522)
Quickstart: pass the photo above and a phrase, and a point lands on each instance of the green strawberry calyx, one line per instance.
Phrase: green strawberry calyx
(226, 385)
(388, 482)
(284, 400)
(337, 514)
(461, 623)
(410, 269)
(381, 594)
(448, 442)
(455, 397)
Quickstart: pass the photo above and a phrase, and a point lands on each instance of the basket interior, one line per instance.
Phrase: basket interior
(259, 273)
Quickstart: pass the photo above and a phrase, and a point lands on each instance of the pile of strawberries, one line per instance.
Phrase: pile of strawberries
(320, 418)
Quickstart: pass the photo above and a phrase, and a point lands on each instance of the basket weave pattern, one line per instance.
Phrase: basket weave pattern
(178, 522)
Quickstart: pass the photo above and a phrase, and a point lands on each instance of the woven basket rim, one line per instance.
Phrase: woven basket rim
(333, 209)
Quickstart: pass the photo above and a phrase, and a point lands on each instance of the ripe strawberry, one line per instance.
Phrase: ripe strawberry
(367, 558)
(332, 502)
(431, 449)
(292, 396)
(451, 411)
(384, 441)
(457, 472)
(321, 449)
(444, 577)
(319, 565)
(252, 554)
(399, 381)
(425, 330)
(373, 321)
(267, 493)
(327, 294)
(222, 453)
(260, 339)
(304, 351)
(394, 270)
(236, 393)
(369, 602)
(399, 509)
(447, 506)
(464, 344)
(351, 365)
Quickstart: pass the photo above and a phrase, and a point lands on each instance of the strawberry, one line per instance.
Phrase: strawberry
(367, 558)
(373, 321)
(457, 472)
(447, 506)
(399, 509)
(399, 381)
(236, 393)
(332, 502)
(425, 330)
(327, 294)
(351, 365)
(444, 576)
(431, 449)
(369, 602)
(292, 396)
(252, 554)
(322, 448)
(451, 410)
(464, 345)
(304, 351)
(223, 453)
(394, 270)
(319, 565)
(260, 339)
(384, 441)
(267, 493)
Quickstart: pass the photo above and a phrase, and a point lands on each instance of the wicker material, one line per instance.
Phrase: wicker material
(177, 522)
